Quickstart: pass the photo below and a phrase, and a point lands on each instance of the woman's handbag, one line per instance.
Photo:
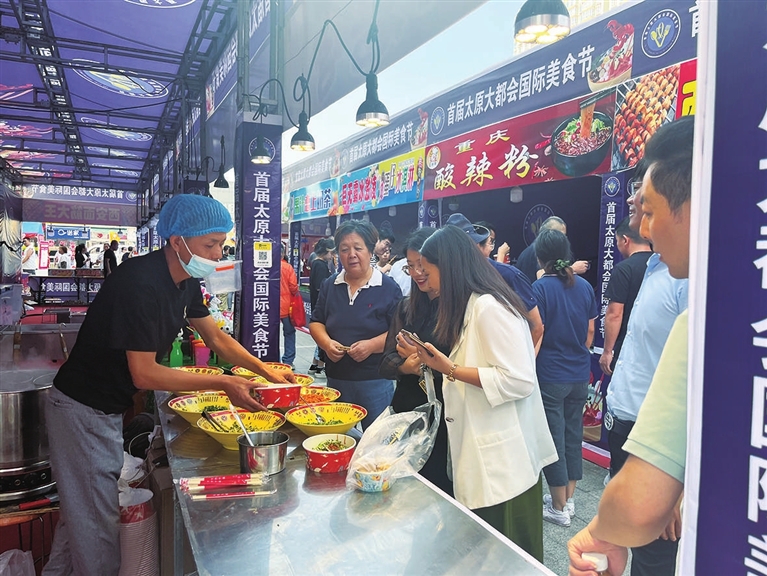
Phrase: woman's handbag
(297, 312)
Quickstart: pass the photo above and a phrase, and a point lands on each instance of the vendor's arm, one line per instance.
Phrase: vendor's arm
(536, 327)
(233, 352)
(613, 320)
(636, 505)
(147, 374)
(590, 334)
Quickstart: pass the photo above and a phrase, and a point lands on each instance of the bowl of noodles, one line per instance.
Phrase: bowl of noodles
(580, 143)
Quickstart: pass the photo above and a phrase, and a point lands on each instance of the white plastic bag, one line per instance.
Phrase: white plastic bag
(17, 563)
(396, 445)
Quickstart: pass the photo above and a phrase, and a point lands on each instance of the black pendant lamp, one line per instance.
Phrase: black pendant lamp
(372, 112)
(260, 155)
(302, 140)
(542, 22)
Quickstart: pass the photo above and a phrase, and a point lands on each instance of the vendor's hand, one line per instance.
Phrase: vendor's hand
(581, 266)
(438, 362)
(605, 360)
(404, 349)
(583, 541)
(333, 351)
(360, 350)
(503, 251)
(278, 376)
(239, 392)
(411, 365)
(673, 529)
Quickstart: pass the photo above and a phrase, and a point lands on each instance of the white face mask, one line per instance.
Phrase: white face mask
(198, 267)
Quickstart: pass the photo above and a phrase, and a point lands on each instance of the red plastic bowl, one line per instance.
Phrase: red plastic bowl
(328, 462)
(278, 395)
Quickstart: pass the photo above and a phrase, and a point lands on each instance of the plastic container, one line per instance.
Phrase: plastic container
(599, 560)
(176, 356)
(201, 354)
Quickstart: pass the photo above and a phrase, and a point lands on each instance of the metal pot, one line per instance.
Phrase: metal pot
(24, 453)
(267, 456)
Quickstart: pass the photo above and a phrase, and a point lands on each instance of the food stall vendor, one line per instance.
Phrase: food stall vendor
(129, 327)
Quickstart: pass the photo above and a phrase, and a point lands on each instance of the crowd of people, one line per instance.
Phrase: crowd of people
(510, 351)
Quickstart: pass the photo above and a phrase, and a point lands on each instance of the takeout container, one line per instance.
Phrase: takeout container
(190, 407)
(582, 164)
(317, 395)
(277, 395)
(339, 417)
(325, 461)
(378, 480)
(268, 454)
(254, 422)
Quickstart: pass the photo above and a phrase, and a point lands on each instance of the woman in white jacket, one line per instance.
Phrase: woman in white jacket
(497, 432)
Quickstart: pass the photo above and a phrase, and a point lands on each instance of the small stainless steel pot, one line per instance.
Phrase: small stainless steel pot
(267, 456)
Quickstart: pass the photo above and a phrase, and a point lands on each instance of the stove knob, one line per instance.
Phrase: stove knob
(43, 476)
(16, 482)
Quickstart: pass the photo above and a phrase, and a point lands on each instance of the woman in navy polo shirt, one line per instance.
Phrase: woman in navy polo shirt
(351, 320)
(568, 309)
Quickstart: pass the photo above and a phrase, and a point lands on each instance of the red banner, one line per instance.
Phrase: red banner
(520, 151)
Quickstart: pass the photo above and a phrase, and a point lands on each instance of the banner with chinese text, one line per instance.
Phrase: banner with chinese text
(258, 190)
(538, 147)
(728, 364)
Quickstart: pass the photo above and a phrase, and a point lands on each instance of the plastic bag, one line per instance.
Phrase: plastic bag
(297, 311)
(396, 445)
(17, 563)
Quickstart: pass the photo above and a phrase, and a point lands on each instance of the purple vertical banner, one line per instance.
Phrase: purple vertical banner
(428, 214)
(294, 248)
(258, 199)
(728, 372)
(613, 210)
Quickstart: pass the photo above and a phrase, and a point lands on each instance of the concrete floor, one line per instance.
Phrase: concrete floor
(555, 538)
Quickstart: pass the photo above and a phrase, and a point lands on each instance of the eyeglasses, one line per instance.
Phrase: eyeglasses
(634, 187)
(410, 270)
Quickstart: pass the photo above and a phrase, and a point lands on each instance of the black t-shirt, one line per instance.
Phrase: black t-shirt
(109, 256)
(320, 272)
(138, 308)
(623, 288)
(528, 263)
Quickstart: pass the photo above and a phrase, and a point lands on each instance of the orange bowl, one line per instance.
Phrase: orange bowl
(277, 395)
(329, 453)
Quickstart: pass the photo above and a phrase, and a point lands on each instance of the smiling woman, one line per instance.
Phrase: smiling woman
(350, 321)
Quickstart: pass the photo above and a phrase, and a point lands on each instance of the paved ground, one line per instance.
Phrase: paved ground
(555, 538)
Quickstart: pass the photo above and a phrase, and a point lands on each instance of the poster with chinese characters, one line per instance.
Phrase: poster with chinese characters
(539, 147)
(727, 421)
(314, 201)
(258, 190)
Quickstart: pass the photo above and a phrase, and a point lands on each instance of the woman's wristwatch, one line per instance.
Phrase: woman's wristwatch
(451, 375)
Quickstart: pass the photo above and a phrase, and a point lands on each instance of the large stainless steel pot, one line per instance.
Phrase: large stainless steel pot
(24, 454)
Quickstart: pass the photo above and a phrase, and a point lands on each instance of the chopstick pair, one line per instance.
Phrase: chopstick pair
(201, 483)
(230, 495)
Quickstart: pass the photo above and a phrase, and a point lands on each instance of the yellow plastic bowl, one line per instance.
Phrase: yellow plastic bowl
(253, 421)
(317, 395)
(340, 417)
(190, 407)
(304, 379)
(279, 366)
(208, 370)
(244, 372)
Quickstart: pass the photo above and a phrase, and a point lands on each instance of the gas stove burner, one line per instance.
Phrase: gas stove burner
(20, 483)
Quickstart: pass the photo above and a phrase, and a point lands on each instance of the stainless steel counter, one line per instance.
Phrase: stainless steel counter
(314, 525)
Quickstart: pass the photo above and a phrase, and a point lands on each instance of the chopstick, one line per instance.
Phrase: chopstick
(228, 495)
(210, 482)
(596, 97)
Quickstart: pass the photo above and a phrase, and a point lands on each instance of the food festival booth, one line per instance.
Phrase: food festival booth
(556, 131)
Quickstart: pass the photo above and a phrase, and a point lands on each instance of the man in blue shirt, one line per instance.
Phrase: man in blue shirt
(660, 300)
(483, 235)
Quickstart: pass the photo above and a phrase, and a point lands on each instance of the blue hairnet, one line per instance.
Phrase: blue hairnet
(191, 215)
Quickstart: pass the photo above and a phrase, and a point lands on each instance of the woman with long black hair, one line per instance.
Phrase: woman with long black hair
(497, 431)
